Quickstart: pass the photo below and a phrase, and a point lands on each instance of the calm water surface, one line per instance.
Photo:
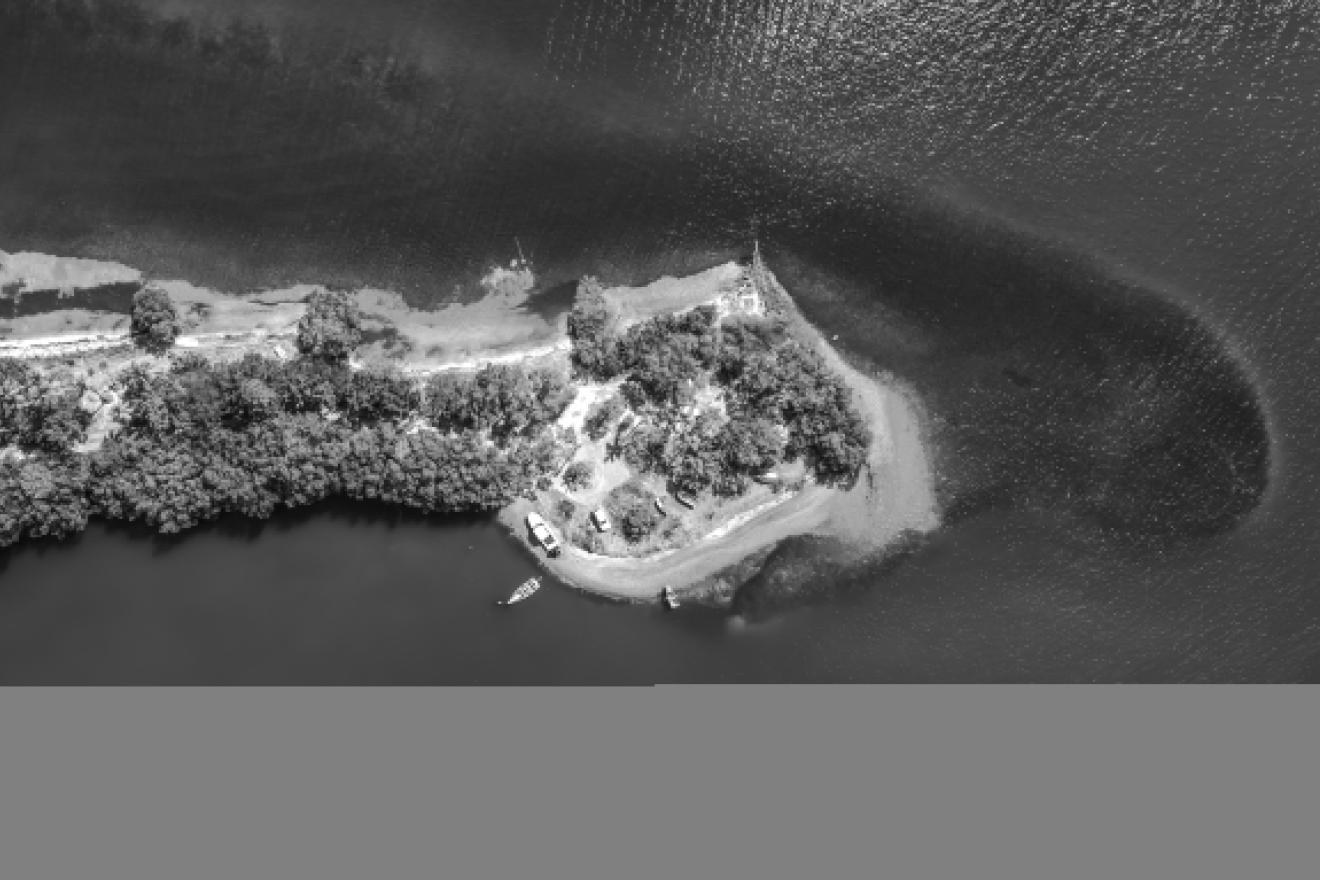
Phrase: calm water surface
(1081, 233)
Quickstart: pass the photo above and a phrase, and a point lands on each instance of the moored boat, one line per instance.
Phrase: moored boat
(670, 598)
(524, 591)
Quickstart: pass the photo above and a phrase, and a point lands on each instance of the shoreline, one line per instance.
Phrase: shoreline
(894, 494)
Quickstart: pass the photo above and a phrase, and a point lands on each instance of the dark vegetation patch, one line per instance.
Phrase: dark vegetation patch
(782, 400)
(205, 439)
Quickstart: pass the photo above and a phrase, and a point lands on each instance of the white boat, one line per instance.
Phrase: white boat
(524, 591)
(671, 599)
(541, 532)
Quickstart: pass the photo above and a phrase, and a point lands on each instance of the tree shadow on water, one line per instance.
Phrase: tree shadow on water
(247, 529)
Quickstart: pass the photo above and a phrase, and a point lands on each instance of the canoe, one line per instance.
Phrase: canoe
(524, 591)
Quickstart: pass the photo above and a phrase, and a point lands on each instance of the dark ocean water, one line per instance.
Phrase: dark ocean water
(1081, 233)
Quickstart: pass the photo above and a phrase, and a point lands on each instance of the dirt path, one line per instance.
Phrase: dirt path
(642, 578)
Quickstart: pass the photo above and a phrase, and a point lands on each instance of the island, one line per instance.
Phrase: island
(665, 434)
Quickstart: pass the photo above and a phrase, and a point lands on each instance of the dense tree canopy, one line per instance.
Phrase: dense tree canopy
(783, 400)
(38, 413)
(41, 497)
(380, 394)
(668, 356)
(504, 399)
(249, 437)
(743, 336)
(154, 324)
(751, 445)
(794, 387)
(602, 415)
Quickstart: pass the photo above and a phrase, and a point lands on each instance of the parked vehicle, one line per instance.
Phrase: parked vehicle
(541, 532)
(601, 520)
(686, 500)
(660, 506)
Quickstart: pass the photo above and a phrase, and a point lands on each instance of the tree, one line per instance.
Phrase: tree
(751, 446)
(446, 400)
(253, 401)
(331, 328)
(57, 422)
(634, 508)
(644, 448)
(20, 386)
(578, 476)
(309, 386)
(155, 321)
(40, 498)
(380, 394)
(603, 414)
(743, 336)
(668, 371)
(591, 328)
(794, 386)
(38, 412)
(506, 399)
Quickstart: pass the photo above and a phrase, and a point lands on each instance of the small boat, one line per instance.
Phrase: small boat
(671, 599)
(541, 532)
(524, 591)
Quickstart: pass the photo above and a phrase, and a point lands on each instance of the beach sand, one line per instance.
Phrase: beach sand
(499, 328)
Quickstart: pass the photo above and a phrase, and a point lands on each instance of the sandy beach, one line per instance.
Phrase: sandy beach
(499, 328)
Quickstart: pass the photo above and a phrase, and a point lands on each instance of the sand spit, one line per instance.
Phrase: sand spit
(27, 271)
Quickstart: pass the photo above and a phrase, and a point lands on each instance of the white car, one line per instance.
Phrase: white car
(601, 520)
(541, 532)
